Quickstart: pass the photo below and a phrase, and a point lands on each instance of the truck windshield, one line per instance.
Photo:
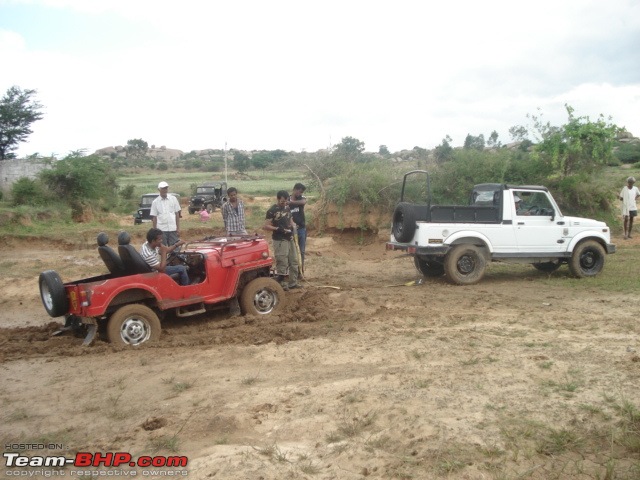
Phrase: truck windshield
(206, 191)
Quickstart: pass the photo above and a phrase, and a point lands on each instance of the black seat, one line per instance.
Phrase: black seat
(109, 256)
(132, 260)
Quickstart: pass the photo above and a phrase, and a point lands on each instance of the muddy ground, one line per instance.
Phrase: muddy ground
(520, 376)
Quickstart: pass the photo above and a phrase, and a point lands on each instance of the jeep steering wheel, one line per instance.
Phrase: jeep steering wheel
(176, 254)
(533, 210)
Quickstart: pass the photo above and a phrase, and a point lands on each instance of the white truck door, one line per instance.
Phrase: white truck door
(534, 229)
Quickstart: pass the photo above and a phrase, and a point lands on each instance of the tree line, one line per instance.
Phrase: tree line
(567, 158)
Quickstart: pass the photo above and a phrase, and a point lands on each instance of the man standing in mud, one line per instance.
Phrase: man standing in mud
(297, 201)
(280, 222)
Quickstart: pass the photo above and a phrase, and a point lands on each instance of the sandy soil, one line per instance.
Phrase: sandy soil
(516, 377)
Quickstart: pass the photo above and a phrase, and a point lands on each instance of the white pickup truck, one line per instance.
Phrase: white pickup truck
(506, 223)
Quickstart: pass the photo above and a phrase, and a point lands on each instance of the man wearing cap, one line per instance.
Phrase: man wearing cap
(628, 195)
(520, 208)
(165, 215)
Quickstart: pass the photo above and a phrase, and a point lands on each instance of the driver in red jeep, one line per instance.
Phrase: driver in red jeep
(155, 254)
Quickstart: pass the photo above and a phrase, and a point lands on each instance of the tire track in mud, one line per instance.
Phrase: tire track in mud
(305, 315)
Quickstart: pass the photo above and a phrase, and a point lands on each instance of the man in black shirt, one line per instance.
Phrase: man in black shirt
(279, 222)
(297, 201)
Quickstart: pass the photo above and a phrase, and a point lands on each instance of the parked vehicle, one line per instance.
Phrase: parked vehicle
(131, 299)
(459, 241)
(143, 214)
(208, 196)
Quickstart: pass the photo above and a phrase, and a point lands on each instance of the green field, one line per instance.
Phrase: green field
(258, 183)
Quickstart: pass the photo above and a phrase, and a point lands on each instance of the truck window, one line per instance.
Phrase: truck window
(484, 197)
(532, 203)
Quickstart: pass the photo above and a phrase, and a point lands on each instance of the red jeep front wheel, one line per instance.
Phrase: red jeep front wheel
(262, 296)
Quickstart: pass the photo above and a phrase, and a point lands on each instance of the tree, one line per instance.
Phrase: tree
(383, 150)
(493, 141)
(242, 161)
(519, 133)
(444, 152)
(17, 112)
(350, 148)
(579, 146)
(475, 143)
(136, 149)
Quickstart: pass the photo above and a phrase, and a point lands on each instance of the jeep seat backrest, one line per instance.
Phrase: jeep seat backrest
(109, 256)
(132, 260)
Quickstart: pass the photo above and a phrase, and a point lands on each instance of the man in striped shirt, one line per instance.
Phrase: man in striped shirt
(155, 254)
(233, 214)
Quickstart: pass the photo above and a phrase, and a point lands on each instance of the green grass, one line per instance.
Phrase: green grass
(54, 222)
(619, 273)
(260, 183)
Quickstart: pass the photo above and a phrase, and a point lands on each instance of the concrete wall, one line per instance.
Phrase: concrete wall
(13, 169)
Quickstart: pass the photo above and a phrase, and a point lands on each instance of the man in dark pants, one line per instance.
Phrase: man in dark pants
(297, 201)
(278, 221)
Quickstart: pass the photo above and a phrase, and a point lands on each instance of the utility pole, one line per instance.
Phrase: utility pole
(225, 162)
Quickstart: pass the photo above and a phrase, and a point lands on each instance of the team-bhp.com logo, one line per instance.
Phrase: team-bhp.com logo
(87, 460)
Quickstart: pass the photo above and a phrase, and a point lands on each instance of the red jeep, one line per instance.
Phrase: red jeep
(224, 272)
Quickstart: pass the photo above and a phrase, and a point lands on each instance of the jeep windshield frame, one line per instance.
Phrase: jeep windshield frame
(207, 190)
(428, 184)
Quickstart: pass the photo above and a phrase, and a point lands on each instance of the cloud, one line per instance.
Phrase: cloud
(292, 75)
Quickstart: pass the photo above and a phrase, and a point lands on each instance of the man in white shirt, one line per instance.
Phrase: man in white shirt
(628, 195)
(165, 215)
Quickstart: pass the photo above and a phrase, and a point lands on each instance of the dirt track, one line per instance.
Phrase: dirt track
(366, 381)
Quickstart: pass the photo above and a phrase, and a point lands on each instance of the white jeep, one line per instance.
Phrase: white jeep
(506, 223)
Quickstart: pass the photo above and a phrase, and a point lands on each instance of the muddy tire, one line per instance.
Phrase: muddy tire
(133, 325)
(262, 296)
(465, 265)
(192, 211)
(52, 293)
(587, 259)
(547, 267)
(429, 268)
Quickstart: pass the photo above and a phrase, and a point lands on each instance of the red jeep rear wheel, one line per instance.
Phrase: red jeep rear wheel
(133, 325)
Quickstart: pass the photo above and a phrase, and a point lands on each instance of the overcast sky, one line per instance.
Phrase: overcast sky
(303, 74)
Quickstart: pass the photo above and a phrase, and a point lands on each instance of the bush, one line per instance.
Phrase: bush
(579, 195)
(453, 180)
(78, 178)
(628, 153)
(26, 191)
(127, 192)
